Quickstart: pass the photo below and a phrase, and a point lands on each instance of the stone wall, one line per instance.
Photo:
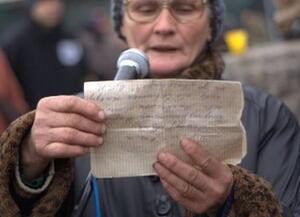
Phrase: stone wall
(272, 67)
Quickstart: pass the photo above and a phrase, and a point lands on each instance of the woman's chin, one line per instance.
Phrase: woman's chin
(164, 65)
(165, 69)
(163, 73)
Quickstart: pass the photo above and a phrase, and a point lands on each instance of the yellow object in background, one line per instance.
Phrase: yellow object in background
(237, 41)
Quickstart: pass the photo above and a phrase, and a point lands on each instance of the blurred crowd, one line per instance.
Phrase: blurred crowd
(39, 57)
(287, 18)
(265, 20)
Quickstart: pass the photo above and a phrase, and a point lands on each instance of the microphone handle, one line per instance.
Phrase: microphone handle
(126, 72)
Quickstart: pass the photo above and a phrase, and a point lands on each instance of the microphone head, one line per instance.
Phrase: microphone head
(135, 58)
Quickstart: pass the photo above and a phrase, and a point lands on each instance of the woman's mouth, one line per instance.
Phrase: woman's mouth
(164, 48)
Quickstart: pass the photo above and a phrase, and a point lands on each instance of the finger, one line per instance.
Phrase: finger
(202, 158)
(76, 121)
(183, 188)
(73, 136)
(196, 205)
(62, 150)
(73, 104)
(184, 171)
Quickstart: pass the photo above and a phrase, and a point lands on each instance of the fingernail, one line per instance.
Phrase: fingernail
(162, 156)
(101, 115)
(100, 140)
(186, 144)
(103, 129)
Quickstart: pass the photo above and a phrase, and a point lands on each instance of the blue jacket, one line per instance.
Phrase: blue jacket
(273, 152)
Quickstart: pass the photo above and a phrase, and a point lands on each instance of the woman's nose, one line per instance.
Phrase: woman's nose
(165, 23)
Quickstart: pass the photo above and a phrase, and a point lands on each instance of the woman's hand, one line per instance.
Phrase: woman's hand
(64, 127)
(199, 187)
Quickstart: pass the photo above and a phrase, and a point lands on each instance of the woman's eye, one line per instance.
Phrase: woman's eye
(146, 9)
(184, 8)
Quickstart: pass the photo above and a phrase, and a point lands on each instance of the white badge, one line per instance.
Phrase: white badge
(69, 52)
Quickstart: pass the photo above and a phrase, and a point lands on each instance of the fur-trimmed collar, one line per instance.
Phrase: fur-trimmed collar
(209, 65)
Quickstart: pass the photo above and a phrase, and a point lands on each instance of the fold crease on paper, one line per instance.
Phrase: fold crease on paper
(146, 116)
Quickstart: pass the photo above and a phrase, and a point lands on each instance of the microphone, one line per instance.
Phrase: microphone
(132, 64)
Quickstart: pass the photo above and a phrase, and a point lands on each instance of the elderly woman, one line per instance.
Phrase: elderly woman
(37, 177)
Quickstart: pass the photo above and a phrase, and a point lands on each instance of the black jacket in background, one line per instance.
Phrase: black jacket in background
(46, 62)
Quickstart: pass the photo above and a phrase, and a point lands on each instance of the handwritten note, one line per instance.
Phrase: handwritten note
(145, 116)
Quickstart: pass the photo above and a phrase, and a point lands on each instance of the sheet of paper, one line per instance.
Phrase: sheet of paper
(146, 116)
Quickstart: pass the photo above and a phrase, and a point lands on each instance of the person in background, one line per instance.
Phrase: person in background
(45, 58)
(39, 178)
(12, 102)
(101, 45)
(287, 18)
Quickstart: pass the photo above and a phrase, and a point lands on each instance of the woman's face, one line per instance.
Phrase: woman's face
(48, 12)
(170, 45)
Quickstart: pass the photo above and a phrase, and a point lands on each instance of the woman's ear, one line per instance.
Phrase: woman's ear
(122, 30)
(122, 34)
(209, 37)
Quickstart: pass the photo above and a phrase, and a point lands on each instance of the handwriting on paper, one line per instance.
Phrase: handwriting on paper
(145, 116)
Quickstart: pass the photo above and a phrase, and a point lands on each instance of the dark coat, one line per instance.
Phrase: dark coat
(273, 152)
(46, 62)
(273, 136)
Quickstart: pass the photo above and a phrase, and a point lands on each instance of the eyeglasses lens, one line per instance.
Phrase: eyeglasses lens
(144, 11)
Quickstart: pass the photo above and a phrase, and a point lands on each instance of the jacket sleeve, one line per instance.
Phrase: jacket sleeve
(279, 161)
(252, 197)
(14, 201)
(274, 148)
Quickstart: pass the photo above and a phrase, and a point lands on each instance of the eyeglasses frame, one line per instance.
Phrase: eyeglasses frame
(165, 5)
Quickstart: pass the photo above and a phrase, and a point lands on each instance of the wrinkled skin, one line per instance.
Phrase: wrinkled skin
(67, 126)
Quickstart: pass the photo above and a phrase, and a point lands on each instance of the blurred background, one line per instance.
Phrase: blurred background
(261, 44)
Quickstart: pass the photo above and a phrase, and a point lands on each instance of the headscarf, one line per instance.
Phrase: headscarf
(209, 64)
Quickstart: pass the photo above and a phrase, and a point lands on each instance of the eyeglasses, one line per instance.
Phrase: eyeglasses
(146, 11)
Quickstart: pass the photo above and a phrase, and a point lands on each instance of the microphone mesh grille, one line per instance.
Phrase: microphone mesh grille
(139, 58)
